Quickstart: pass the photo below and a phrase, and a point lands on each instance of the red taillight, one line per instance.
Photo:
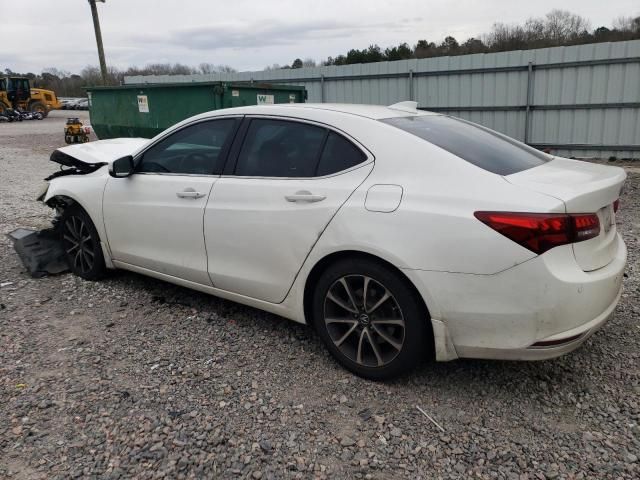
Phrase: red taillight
(616, 206)
(540, 232)
(586, 226)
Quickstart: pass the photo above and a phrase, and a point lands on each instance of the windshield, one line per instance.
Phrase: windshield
(478, 145)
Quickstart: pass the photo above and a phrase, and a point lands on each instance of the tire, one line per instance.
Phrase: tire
(387, 338)
(39, 107)
(81, 244)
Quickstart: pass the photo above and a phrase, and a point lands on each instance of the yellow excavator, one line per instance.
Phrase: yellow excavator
(16, 92)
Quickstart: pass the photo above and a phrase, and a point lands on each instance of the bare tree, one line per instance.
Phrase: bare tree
(561, 25)
(226, 69)
(209, 68)
(92, 76)
(505, 37)
(626, 24)
(58, 73)
(534, 30)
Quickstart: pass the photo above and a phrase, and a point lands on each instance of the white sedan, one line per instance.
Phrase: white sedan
(398, 234)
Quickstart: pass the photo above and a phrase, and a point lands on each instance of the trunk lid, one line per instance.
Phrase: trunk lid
(584, 188)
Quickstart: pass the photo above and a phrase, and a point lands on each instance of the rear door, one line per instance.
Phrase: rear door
(154, 218)
(287, 180)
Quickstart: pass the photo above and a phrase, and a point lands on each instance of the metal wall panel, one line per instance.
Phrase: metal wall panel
(583, 100)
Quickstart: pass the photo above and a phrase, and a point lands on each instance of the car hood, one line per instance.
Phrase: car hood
(101, 152)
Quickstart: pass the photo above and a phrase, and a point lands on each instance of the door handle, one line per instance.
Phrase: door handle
(189, 193)
(304, 196)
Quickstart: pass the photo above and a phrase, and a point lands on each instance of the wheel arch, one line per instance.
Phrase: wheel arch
(66, 190)
(62, 201)
(59, 199)
(322, 264)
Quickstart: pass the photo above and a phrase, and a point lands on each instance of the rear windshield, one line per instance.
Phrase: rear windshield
(480, 146)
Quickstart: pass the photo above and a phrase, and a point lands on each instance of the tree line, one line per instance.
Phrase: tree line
(67, 84)
(556, 28)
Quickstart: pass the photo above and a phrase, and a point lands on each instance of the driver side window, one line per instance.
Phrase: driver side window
(196, 150)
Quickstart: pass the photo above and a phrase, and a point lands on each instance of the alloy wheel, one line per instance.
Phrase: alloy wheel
(364, 320)
(78, 244)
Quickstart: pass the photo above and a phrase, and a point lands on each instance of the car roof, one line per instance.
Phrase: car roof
(375, 112)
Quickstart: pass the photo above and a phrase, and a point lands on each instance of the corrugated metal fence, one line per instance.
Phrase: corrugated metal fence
(579, 101)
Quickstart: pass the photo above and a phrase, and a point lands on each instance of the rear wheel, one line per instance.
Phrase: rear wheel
(81, 244)
(370, 319)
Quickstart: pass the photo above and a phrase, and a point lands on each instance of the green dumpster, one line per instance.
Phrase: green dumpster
(147, 109)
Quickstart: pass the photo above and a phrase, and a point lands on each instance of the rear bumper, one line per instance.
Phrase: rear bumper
(563, 342)
(502, 316)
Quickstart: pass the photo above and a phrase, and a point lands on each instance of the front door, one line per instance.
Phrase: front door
(290, 179)
(154, 218)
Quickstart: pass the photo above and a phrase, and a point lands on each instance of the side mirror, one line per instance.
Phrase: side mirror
(122, 167)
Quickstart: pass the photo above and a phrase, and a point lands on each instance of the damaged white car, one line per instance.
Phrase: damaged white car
(399, 234)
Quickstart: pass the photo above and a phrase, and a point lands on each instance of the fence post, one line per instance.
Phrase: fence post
(410, 84)
(322, 88)
(527, 109)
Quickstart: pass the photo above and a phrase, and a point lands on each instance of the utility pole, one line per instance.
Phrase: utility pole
(96, 27)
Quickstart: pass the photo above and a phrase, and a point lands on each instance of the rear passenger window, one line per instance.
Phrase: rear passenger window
(480, 146)
(339, 154)
(279, 148)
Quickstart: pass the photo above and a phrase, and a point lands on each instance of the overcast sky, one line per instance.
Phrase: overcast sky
(248, 35)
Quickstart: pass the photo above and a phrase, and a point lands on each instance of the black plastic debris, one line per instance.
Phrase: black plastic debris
(40, 251)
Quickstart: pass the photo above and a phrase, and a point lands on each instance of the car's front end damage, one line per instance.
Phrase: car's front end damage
(72, 164)
(89, 157)
(85, 159)
(79, 181)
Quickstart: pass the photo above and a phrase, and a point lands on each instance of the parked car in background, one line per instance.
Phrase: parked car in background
(82, 104)
(64, 102)
(73, 103)
(399, 234)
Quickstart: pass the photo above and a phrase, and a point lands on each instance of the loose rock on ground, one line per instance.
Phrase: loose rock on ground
(133, 377)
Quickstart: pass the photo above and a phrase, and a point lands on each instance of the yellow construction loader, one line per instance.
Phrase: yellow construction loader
(16, 92)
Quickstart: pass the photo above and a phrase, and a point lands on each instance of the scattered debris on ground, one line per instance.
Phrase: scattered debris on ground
(40, 251)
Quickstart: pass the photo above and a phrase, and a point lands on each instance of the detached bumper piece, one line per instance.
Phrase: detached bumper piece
(41, 251)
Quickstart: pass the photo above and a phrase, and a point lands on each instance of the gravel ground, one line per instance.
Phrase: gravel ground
(133, 377)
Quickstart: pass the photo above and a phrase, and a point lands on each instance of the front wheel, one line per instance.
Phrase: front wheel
(371, 319)
(81, 244)
(40, 108)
